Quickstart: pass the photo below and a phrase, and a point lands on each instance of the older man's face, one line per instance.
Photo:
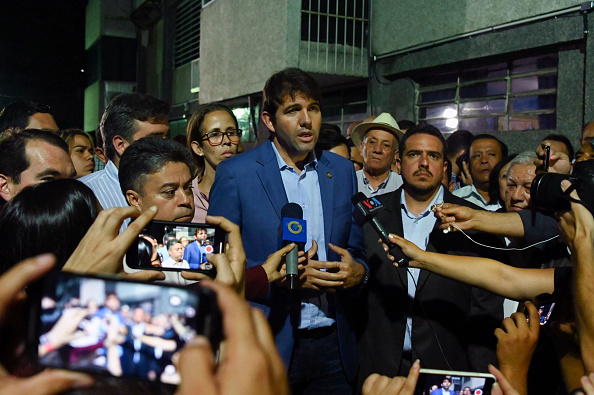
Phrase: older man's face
(378, 149)
(519, 181)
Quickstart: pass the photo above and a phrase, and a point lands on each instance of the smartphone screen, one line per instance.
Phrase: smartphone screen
(544, 311)
(464, 383)
(176, 246)
(119, 328)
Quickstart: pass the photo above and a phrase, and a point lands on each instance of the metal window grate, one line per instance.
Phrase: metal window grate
(332, 29)
(519, 94)
(187, 32)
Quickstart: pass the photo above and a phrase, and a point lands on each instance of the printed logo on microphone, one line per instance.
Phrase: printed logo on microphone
(294, 230)
(371, 205)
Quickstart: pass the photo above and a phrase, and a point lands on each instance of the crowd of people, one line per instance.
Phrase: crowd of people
(85, 328)
(487, 251)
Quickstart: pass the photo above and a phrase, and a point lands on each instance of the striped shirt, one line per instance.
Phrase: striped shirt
(105, 184)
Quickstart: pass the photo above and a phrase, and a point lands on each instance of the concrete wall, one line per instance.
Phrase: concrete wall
(243, 43)
(393, 89)
(403, 23)
(181, 85)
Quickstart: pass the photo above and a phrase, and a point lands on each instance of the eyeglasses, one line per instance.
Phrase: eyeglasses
(216, 138)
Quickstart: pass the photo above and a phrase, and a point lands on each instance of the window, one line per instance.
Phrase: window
(344, 106)
(519, 94)
(187, 32)
(245, 116)
(334, 21)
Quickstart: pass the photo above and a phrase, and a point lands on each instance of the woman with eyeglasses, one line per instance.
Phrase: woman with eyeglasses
(213, 136)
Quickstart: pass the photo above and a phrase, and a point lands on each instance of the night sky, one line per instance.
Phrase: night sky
(41, 55)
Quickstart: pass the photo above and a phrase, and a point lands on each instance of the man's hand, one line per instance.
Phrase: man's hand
(330, 275)
(250, 364)
(65, 329)
(449, 213)
(516, 343)
(588, 384)
(102, 249)
(559, 162)
(502, 386)
(230, 265)
(382, 385)
(577, 225)
(465, 174)
(12, 286)
(275, 266)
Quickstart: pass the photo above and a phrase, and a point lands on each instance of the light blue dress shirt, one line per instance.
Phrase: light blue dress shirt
(105, 184)
(304, 189)
(417, 230)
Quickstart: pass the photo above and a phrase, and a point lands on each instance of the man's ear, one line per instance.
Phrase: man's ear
(101, 155)
(120, 144)
(6, 185)
(267, 119)
(134, 198)
(398, 162)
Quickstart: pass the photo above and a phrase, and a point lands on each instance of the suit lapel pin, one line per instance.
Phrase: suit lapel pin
(329, 175)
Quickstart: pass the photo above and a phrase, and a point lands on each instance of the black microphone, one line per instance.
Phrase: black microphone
(366, 210)
(294, 230)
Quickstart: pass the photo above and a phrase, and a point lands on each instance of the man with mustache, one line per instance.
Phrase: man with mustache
(411, 314)
(485, 152)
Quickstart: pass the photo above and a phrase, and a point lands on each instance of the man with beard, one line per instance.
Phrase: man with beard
(410, 314)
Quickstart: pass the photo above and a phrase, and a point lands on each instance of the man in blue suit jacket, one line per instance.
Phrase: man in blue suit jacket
(313, 326)
(194, 252)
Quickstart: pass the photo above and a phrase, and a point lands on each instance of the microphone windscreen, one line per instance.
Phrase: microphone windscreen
(359, 197)
(292, 210)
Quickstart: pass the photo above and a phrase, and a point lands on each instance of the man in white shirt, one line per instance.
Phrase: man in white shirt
(176, 253)
(127, 118)
(485, 152)
(377, 139)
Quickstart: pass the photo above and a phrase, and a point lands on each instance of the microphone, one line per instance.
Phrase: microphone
(366, 210)
(294, 230)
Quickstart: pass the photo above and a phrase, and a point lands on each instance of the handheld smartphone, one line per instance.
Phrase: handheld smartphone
(465, 383)
(545, 304)
(173, 255)
(462, 158)
(547, 157)
(117, 328)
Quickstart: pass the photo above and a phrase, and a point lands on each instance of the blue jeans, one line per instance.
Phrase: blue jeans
(316, 367)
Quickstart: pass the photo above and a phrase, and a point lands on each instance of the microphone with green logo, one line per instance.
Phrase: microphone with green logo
(294, 231)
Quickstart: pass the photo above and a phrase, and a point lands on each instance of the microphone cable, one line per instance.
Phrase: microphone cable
(426, 317)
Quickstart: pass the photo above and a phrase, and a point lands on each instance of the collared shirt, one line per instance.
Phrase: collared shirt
(304, 189)
(471, 194)
(170, 263)
(417, 230)
(98, 164)
(105, 184)
(390, 184)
